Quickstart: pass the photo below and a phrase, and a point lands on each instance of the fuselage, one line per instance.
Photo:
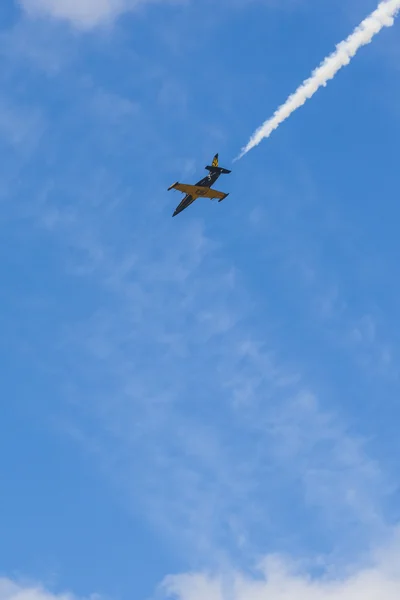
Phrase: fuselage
(207, 181)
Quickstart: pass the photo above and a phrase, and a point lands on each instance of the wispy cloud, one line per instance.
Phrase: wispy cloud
(83, 14)
(12, 589)
(278, 579)
(20, 127)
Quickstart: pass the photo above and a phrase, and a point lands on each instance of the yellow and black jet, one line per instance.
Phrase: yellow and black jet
(202, 189)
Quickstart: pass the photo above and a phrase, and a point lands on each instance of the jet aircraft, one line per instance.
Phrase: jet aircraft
(202, 189)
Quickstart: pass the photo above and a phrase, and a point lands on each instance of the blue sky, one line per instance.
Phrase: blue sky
(204, 406)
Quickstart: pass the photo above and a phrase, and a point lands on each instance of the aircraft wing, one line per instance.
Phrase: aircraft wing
(198, 191)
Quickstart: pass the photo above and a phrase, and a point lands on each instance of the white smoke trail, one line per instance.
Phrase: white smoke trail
(383, 16)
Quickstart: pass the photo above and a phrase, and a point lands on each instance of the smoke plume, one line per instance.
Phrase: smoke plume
(383, 16)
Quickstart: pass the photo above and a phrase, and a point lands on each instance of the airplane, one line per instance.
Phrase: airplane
(202, 189)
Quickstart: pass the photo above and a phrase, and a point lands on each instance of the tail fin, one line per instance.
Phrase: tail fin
(214, 168)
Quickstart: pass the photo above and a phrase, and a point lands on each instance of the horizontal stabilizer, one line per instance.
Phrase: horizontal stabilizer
(220, 170)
